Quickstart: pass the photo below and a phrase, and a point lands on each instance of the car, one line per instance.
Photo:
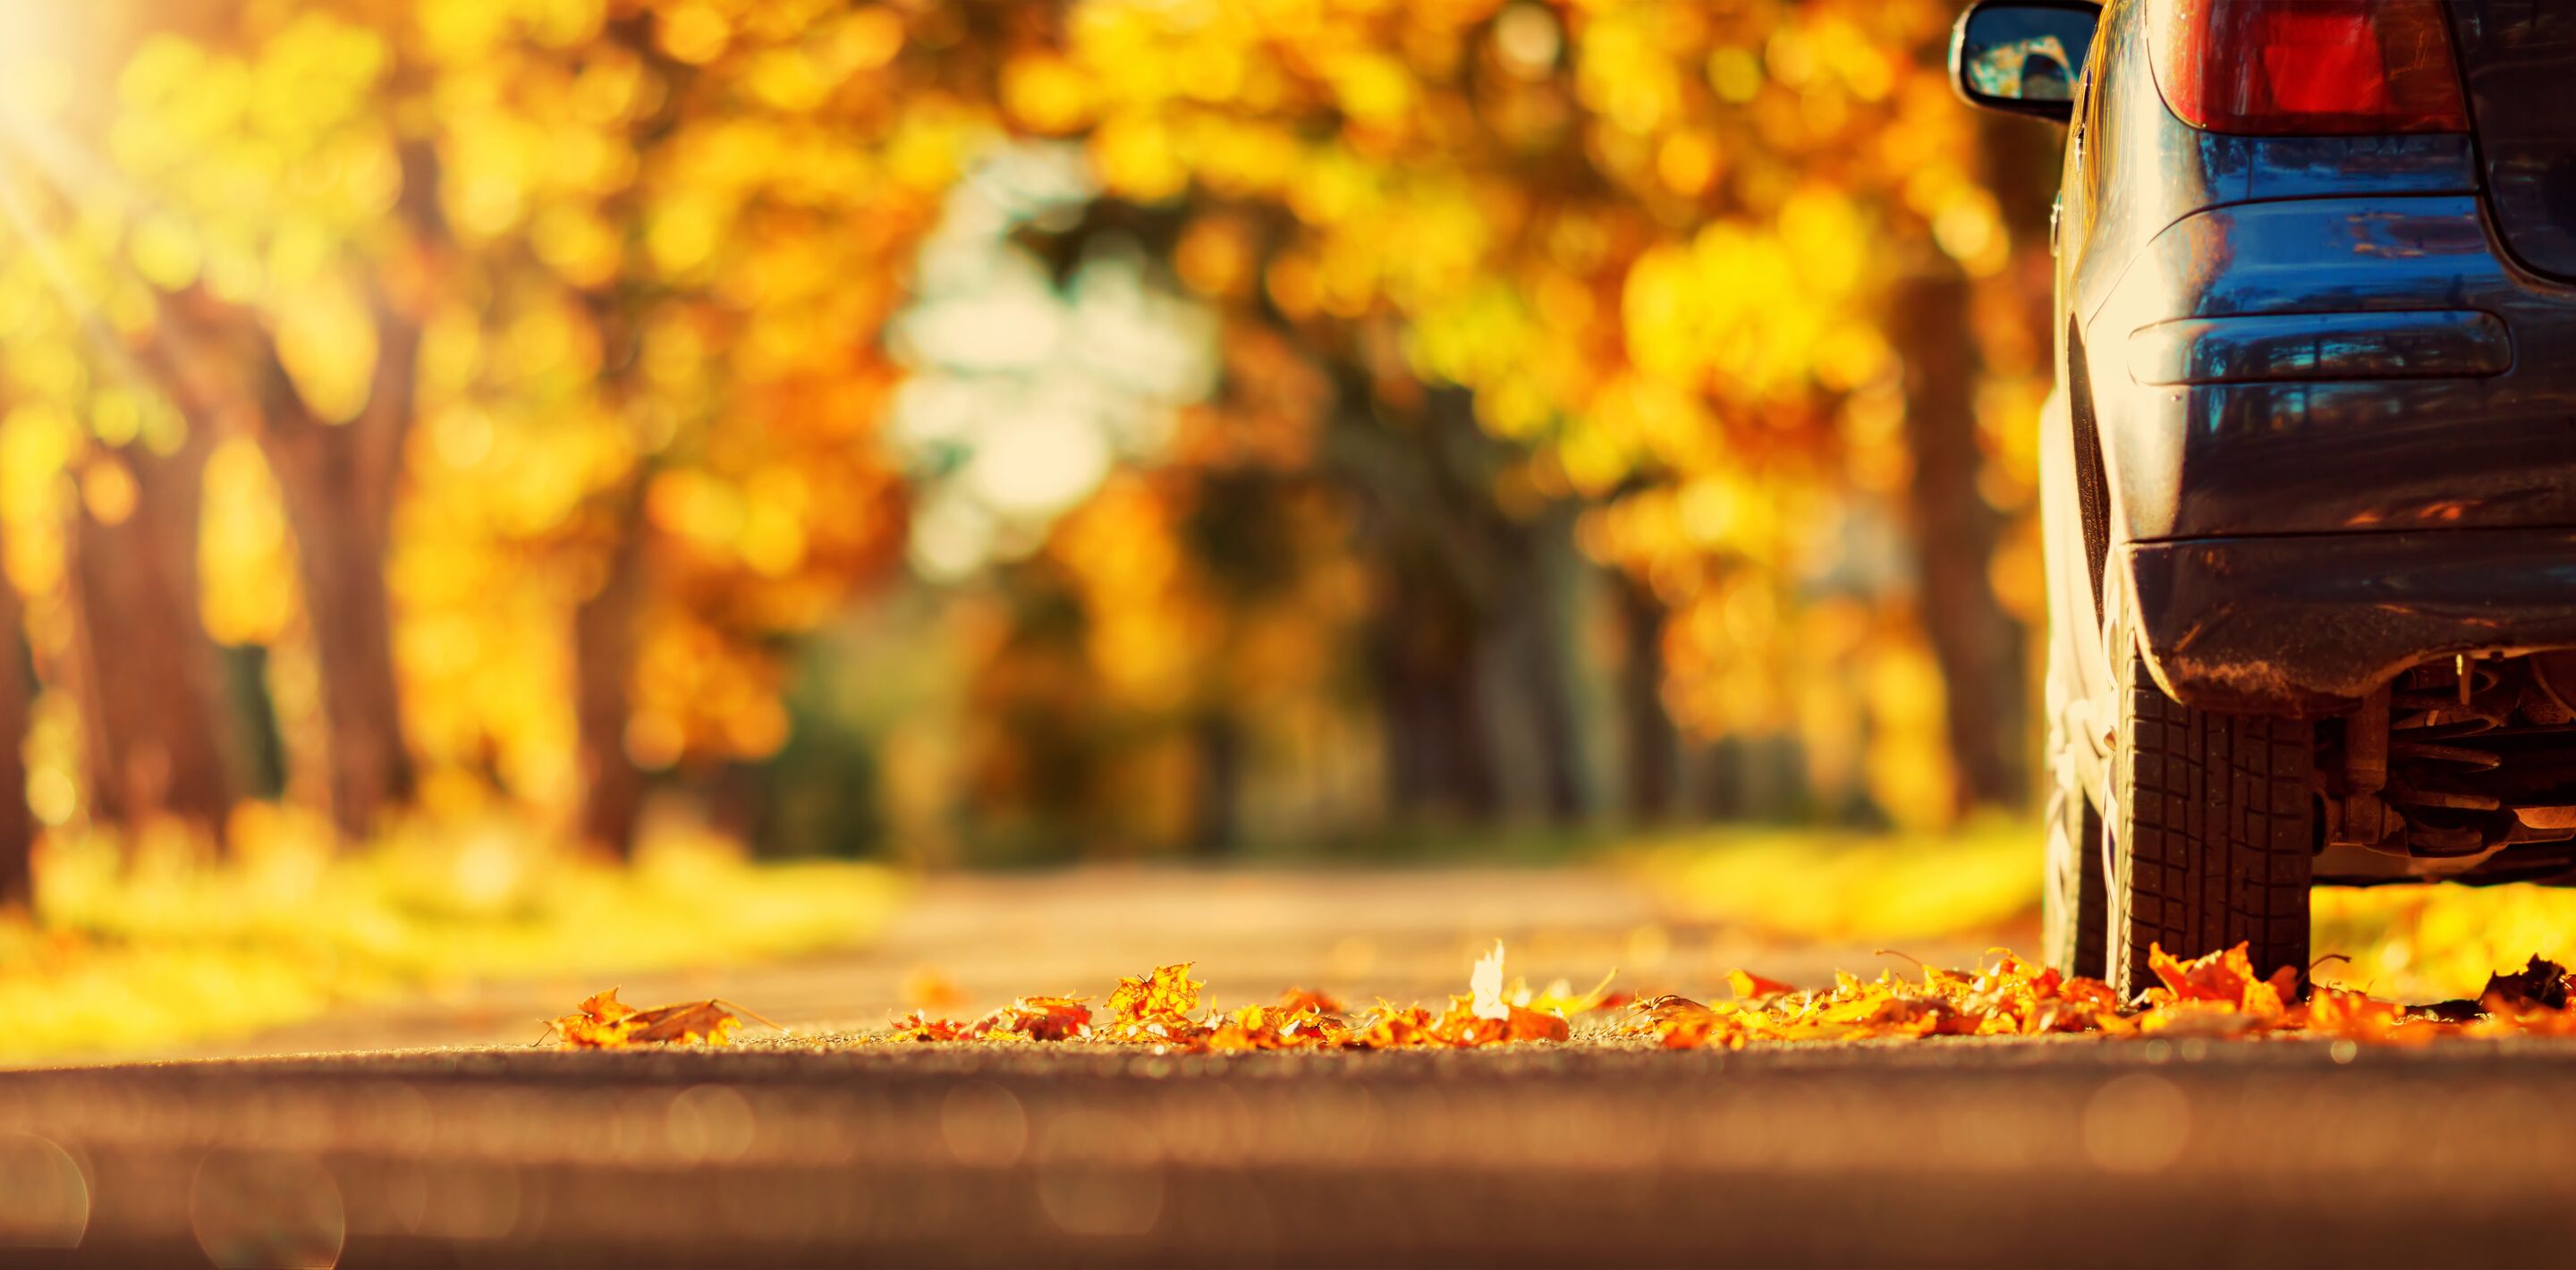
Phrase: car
(2309, 472)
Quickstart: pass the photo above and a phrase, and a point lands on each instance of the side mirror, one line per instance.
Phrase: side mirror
(2023, 56)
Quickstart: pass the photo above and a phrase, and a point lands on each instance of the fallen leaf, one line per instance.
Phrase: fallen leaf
(1562, 1001)
(2225, 976)
(1749, 985)
(1038, 1019)
(1165, 994)
(1395, 1027)
(1535, 1025)
(599, 1023)
(1257, 1027)
(1485, 987)
(1299, 999)
(2540, 985)
(2197, 1018)
(604, 1022)
(915, 1026)
(1673, 1009)
(1494, 1012)
(707, 1021)
(1681, 1023)
(2357, 1017)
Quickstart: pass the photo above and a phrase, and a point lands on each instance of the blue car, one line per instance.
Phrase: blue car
(2309, 475)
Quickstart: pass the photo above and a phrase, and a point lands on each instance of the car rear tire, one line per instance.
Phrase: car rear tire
(2213, 833)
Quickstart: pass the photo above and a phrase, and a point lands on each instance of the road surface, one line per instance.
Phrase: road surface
(811, 1150)
(1403, 934)
(1962, 1153)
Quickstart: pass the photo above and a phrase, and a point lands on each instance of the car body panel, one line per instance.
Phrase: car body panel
(2312, 623)
(2133, 169)
(2316, 409)
(2487, 446)
(2273, 348)
(2344, 347)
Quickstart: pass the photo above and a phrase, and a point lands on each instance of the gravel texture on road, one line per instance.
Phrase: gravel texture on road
(1943, 1153)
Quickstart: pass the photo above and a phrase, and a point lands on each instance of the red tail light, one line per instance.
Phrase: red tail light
(2308, 67)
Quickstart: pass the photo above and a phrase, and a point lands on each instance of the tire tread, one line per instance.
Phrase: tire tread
(2219, 840)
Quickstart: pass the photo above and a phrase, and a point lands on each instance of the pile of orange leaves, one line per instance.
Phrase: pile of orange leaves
(1161, 1008)
(2219, 995)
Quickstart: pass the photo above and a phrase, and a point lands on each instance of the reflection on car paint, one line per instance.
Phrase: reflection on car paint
(2397, 345)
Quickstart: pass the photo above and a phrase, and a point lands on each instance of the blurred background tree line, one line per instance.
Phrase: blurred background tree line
(999, 431)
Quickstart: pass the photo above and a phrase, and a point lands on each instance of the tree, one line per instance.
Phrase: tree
(636, 252)
(1650, 757)
(17, 695)
(1588, 216)
(339, 481)
(251, 288)
(150, 703)
(1954, 532)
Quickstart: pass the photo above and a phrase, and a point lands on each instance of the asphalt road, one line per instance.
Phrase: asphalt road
(1960, 1153)
(808, 1150)
(1403, 934)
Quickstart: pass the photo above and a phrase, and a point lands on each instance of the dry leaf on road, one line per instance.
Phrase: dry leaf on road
(2215, 996)
(604, 1022)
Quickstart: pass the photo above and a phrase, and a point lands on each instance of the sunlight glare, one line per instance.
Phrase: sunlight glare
(1038, 462)
(35, 56)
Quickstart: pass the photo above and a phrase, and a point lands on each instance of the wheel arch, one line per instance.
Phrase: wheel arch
(2092, 475)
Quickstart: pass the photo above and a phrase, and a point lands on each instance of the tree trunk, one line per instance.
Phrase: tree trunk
(1453, 573)
(338, 481)
(1652, 744)
(737, 798)
(604, 624)
(1535, 602)
(604, 650)
(1215, 821)
(17, 819)
(1439, 759)
(338, 484)
(1976, 643)
(150, 704)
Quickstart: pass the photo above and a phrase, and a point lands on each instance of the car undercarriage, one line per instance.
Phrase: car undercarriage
(2462, 769)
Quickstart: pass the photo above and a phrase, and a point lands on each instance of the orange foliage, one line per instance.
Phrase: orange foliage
(1157, 1009)
(2211, 996)
(1584, 214)
(2226, 978)
(1256, 1027)
(612, 303)
(646, 254)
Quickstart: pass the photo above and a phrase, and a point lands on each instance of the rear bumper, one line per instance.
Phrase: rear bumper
(2310, 623)
(2334, 365)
